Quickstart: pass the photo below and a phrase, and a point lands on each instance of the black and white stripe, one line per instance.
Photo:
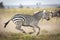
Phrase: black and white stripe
(18, 19)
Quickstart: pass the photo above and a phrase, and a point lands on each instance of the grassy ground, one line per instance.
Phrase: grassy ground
(29, 37)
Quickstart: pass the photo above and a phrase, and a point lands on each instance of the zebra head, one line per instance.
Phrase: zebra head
(45, 15)
(42, 14)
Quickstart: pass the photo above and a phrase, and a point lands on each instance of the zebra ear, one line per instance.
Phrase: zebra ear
(44, 11)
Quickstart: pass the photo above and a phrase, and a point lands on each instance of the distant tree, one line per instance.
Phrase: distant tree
(38, 5)
(27, 7)
(21, 6)
(58, 6)
(1, 5)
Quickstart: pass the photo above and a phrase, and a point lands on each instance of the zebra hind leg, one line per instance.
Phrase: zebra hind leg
(19, 28)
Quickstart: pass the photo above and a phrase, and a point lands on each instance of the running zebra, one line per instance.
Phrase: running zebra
(55, 13)
(29, 20)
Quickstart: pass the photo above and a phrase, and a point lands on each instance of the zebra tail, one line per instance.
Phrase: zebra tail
(6, 24)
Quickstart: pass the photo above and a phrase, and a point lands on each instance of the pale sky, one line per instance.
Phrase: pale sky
(29, 2)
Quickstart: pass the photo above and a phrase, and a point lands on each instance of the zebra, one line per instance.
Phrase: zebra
(28, 20)
(55, 13)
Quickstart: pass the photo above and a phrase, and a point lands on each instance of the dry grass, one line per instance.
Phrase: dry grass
(29, 37)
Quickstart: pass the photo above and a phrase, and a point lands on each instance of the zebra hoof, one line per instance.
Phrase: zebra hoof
(37, 34)
(31, 32)
(24, 32)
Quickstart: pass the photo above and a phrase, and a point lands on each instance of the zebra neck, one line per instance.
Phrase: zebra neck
(38, 17)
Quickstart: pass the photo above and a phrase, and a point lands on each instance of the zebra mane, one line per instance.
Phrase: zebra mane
(35, 13)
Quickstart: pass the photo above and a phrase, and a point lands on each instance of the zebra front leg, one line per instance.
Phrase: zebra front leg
(19, 28)
(33, 30)
(38, 29)
(32, 27)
